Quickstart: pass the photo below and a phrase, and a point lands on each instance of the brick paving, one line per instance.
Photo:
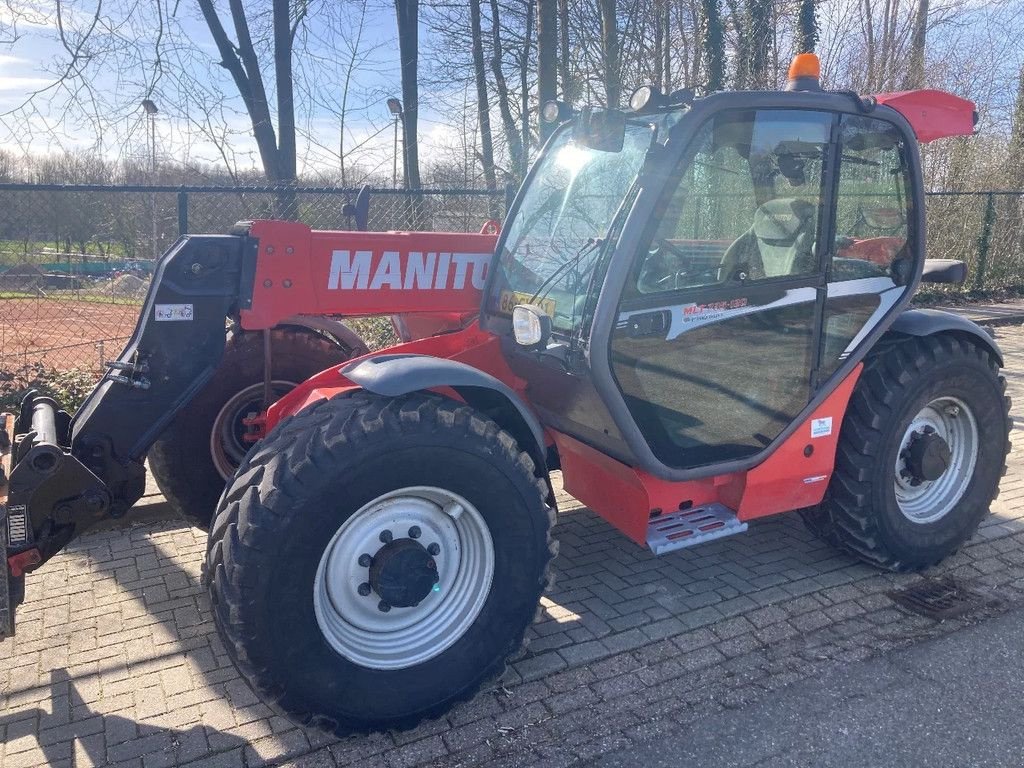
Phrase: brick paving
(116, 661)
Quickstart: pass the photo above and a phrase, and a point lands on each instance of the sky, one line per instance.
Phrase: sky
(975, 51)
(189, 92)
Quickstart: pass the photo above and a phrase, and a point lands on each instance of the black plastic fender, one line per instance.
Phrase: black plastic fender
(927, 322)
(335, 330)
(394, 375)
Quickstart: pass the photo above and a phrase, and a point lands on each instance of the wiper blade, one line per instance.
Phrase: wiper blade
(588, 247)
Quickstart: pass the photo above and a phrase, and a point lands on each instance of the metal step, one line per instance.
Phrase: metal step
(692, 527)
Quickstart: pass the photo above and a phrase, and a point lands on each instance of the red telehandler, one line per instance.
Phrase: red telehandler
(697, 310)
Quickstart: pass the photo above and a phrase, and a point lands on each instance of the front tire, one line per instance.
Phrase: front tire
(376, 560)
(922, 448)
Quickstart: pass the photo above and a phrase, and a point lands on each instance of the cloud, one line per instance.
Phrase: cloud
(23, 84)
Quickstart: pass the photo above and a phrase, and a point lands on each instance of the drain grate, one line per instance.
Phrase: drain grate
(940, 599)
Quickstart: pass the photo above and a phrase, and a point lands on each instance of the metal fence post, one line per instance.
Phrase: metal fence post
(984, 241)
(182, 212)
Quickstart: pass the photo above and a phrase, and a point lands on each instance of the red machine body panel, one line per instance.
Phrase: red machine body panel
(798, 471)
(933, 114)
(364, 273)
(471, 345)
(795, 475)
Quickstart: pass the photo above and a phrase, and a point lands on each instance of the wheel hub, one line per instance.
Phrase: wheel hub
(228, 445)
(403, 573)
(936, 459)
(404, 577)
(927, 456)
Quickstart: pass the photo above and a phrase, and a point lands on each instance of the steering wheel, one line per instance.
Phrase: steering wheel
(682, 277)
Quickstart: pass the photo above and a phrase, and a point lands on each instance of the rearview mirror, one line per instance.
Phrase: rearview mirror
(603, 130)
(531, 325)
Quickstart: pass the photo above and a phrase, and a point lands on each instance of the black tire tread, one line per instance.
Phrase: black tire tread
(844, 518)
(276, 467)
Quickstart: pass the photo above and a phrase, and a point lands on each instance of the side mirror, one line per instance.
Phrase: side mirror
(531, 326)
(603, 130)
(944, 271)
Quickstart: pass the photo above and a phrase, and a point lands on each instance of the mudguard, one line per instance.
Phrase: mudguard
(927, 322)
(336, 330)
(400, 374)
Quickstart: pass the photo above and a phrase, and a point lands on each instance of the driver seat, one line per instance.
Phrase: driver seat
(779, 242)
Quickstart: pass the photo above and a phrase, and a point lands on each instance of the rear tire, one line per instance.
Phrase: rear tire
(331, 472)
(198, 452)
(876, 507)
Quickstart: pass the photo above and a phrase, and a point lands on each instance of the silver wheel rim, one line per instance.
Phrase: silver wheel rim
(354, 623)
(226, 449)
(929, 500)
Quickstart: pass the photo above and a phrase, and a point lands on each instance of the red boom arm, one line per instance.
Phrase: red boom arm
(302, 271)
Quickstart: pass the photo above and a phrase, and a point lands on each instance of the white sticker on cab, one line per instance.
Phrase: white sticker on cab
(166, 312)
(821, 427)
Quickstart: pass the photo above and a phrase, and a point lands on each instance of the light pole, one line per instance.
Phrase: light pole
(395, 107)
(150, 107)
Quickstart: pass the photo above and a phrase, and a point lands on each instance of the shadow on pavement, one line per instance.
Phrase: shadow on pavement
(71, 726)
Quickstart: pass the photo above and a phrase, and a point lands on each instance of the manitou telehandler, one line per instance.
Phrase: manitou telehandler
(696, 310)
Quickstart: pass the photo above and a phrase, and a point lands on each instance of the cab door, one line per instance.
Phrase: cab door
(718, 327)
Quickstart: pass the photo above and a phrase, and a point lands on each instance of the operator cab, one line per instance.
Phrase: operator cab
(689, 280)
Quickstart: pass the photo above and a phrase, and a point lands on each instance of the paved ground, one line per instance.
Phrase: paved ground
(117, 663)
(918, 707)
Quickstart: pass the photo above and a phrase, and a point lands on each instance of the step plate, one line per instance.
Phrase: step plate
(692, 527)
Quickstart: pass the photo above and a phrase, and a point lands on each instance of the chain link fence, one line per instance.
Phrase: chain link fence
(75, 261)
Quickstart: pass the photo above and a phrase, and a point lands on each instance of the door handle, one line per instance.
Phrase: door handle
(648, 324)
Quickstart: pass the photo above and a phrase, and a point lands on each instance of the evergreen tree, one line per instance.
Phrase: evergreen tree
(1016, 158)
(807, 26)
(714, 45)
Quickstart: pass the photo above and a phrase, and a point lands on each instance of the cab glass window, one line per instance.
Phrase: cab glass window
(873, 251)
(558, 232)
(872, 211)
(745, 206)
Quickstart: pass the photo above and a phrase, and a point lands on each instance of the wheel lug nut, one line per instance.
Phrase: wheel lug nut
(363, 589)
(365, 560)
(414, 532)
(386, 537)
(434, 549)
(383, 607)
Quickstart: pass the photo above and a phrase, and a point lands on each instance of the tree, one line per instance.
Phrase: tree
(407, 12)
(483, 103)
(714, 45)
(564, 55)
(759, 39)
(1016, 149)
(915, 71)
(807, 27)
(610, 54)
(524, 80)
(513, 137)
(277, 150)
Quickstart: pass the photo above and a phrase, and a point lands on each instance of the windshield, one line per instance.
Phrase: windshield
(553, 242)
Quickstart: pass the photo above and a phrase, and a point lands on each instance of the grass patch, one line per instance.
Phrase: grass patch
(71, 296)
(68, 387)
